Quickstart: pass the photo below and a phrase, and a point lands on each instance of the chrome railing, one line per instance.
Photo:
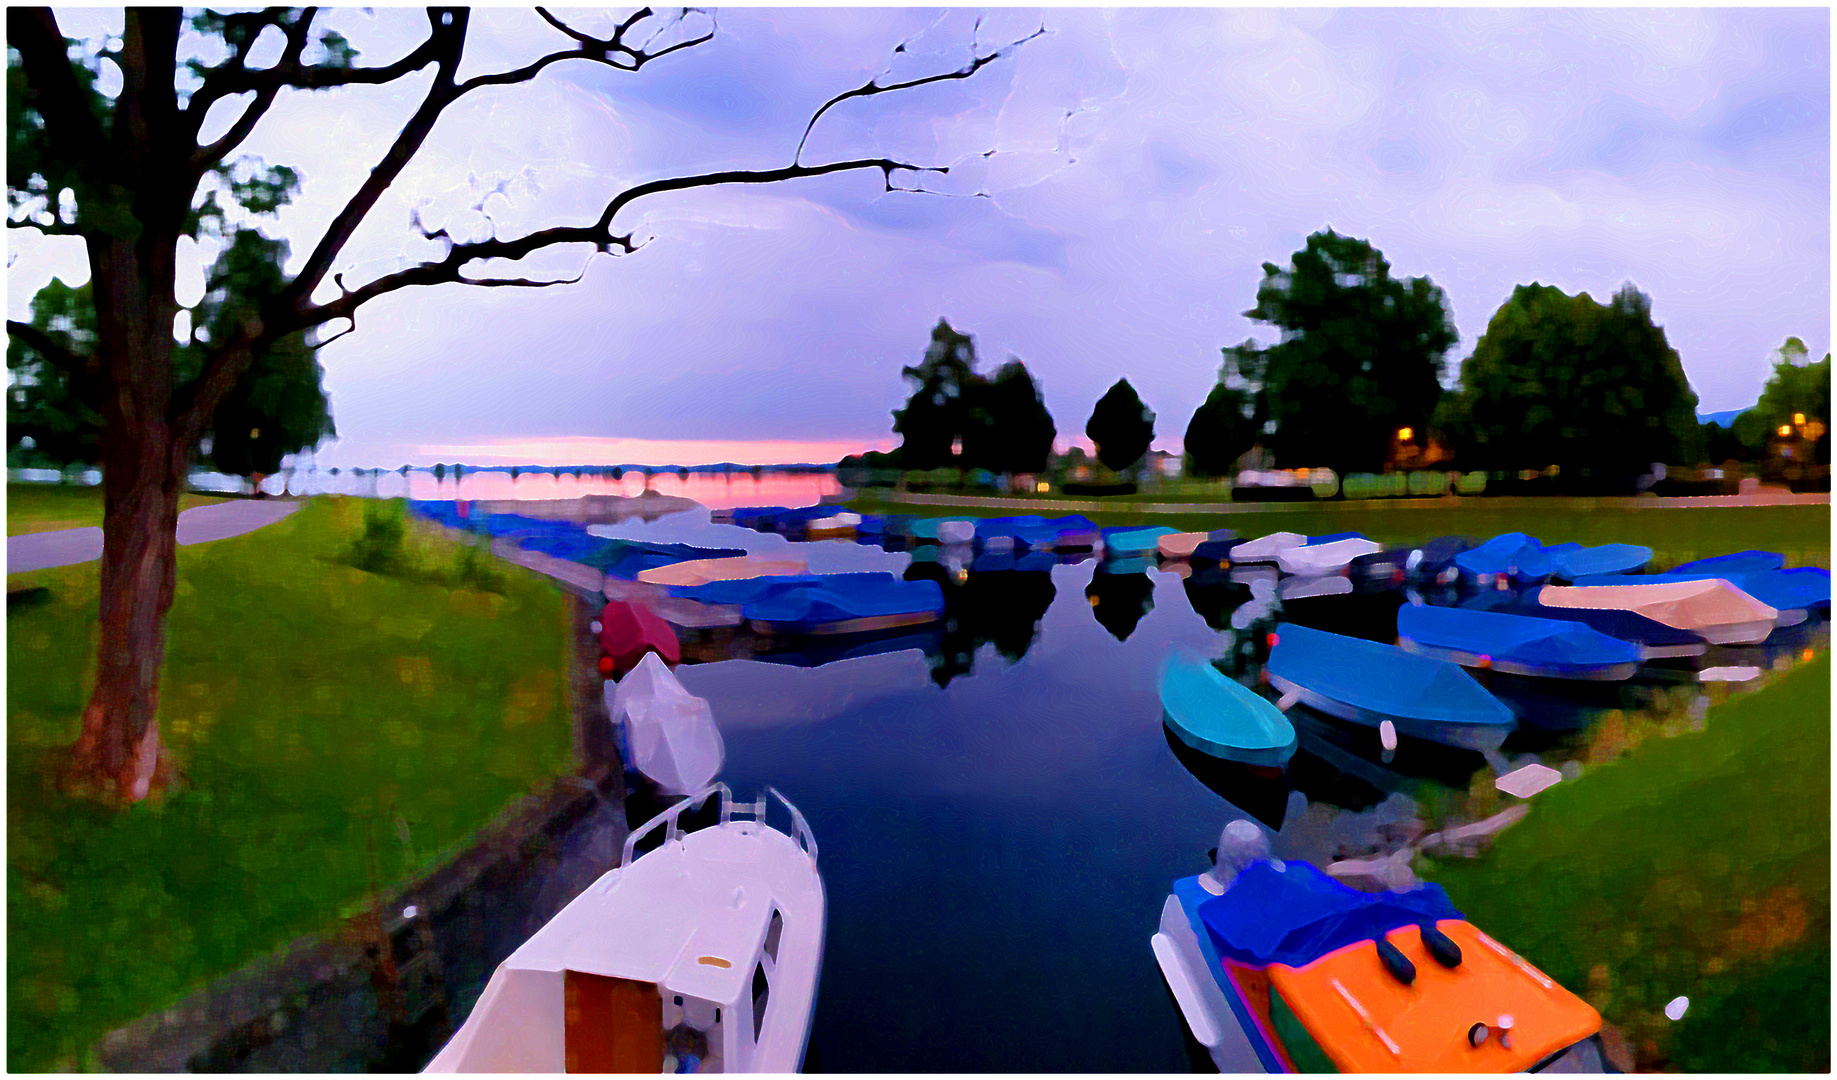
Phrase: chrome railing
(754, 811)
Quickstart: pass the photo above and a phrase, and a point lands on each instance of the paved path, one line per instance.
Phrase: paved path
(199, 525)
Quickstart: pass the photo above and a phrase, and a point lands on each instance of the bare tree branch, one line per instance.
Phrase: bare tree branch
(55, 352)
(872, 86)
(447, 41)
(600, 50)
(204, 157)
(599, 234)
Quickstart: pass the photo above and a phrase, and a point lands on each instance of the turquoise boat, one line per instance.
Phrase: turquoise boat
(1217, 716)
(1134, 543)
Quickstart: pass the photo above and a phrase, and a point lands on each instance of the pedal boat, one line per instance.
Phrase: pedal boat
(1384, 982)
(702, 955)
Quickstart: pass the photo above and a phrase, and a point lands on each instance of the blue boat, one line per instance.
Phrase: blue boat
(846, 604)
(1329, 538)
(1512, 554)
(1655, 639)
(1578, 562)
(1516, 644)
(1215, 550)
(1368, 683)
(1437, 561)
(1217, 716)
(1742, 562)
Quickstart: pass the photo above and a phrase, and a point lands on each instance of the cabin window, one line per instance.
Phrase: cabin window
(773, 933)
(761, 992)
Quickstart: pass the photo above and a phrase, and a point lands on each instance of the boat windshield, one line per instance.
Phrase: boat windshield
(1586, 1056)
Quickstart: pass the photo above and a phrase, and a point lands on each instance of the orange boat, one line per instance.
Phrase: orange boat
(1278, 968)
(1489, 1012)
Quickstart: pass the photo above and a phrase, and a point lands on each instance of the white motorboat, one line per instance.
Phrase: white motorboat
(1266, 549)
(702, 955)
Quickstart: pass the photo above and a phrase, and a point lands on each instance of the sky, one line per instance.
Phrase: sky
(1146, 163)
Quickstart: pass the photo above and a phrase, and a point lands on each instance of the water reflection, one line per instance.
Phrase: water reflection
(1119, 600)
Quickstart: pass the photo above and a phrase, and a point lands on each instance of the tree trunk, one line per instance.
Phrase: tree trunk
(119, 752)
(117, 755)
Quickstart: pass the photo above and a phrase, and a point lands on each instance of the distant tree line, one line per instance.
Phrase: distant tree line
(1589, 393)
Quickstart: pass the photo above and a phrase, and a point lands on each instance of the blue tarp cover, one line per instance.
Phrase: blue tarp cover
(1329, 538)
(1625, 625)
(1742, 562)
(1548, 646)
(827, 600)
(1577, 561)
(1296, 915)
(1382, 679)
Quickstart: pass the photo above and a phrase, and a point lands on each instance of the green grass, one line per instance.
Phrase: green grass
(1694, 866)
(314, 709)
(32, 508)
(1801, 532)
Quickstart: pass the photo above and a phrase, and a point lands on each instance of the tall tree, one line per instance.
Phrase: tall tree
(1360, 355)
(937, 414)
(127, 173)
(1563, 380)
(1008, 428)
(1226, 425)
(1121, 427)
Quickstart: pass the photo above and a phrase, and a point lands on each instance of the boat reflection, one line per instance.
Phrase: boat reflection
(1258, 790)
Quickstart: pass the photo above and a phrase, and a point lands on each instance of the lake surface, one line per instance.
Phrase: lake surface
(1001, 812)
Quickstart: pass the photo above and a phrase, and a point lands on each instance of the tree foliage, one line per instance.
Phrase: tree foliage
(1225, 426)
(1360, 354)
(1008, 429)
(54, 407)
(1121, 427)
(1563, 380)
(937, 413)
(957, 417)
(1797, 387)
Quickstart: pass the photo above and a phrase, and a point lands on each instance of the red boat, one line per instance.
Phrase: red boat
(628, 631)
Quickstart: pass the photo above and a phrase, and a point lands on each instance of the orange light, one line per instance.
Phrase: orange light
(1404, 434)
(1798, 418)
(1785, 429)
(1806, 656)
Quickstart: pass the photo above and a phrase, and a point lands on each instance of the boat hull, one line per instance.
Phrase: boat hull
(1480, 737)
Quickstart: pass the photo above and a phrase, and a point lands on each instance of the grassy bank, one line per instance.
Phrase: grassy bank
(1696, 866)
(327, 720)
(1676, 535)
(32, 508)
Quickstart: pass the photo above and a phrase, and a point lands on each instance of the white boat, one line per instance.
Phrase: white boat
(700, 956)
(670, 734)
(1265, 549)
(1326, 558)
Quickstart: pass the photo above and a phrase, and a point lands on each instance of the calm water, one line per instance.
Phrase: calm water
(1001, 816)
